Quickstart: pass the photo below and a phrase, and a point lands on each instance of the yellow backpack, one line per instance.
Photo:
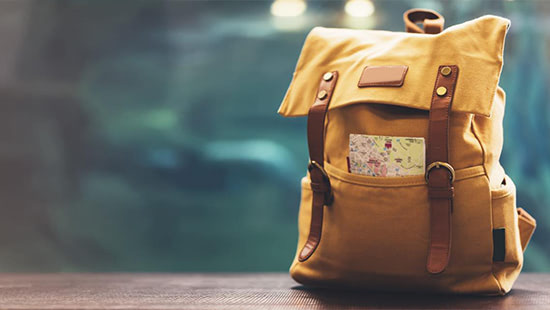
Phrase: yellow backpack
(368, 221)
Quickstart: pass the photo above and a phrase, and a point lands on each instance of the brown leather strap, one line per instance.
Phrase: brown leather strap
(439, 173)
(432, 21)
(320, 184)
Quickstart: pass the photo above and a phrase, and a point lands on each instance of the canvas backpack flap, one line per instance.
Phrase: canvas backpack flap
(476, 47)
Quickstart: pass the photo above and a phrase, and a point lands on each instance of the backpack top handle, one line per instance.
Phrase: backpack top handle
(431, 21)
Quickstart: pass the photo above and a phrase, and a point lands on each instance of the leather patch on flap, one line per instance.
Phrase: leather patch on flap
(392, 76)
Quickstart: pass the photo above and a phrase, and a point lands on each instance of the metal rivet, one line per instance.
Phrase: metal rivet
(322, 94)
(441, 91)
(328, 76)
(446, 71)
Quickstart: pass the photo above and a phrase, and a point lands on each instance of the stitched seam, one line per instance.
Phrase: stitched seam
(498, 197)
(332, 85)
(429, 146)
(484, 152)
(467, 175)
(492, 269)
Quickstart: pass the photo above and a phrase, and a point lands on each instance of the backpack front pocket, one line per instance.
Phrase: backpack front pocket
(376, 232)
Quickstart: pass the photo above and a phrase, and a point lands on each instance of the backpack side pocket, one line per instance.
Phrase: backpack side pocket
(527, 225)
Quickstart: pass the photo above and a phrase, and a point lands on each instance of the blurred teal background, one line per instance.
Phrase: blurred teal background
(143, 135)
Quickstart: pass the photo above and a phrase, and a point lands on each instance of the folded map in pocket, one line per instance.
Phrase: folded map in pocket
(386, 156)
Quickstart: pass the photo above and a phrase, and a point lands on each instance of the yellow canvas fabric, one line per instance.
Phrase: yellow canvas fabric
(376, 233)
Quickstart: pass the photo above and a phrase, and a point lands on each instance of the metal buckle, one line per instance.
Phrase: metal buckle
(329, 197)
(313, 164)
(440, 164)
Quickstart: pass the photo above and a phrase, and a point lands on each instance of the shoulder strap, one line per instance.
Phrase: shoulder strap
(320, 183)
(439, 173)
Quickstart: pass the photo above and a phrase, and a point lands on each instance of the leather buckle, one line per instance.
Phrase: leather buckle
(440, 164)
(329, 197)
(313, 164)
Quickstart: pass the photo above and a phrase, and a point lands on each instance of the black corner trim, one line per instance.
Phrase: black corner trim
(499, 244)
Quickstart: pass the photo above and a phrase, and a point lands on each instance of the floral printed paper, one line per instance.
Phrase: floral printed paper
(386, 156)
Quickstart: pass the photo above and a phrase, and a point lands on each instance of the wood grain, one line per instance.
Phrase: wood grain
(234, 291)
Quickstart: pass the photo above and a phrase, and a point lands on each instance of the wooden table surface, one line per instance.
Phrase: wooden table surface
(233, 291)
